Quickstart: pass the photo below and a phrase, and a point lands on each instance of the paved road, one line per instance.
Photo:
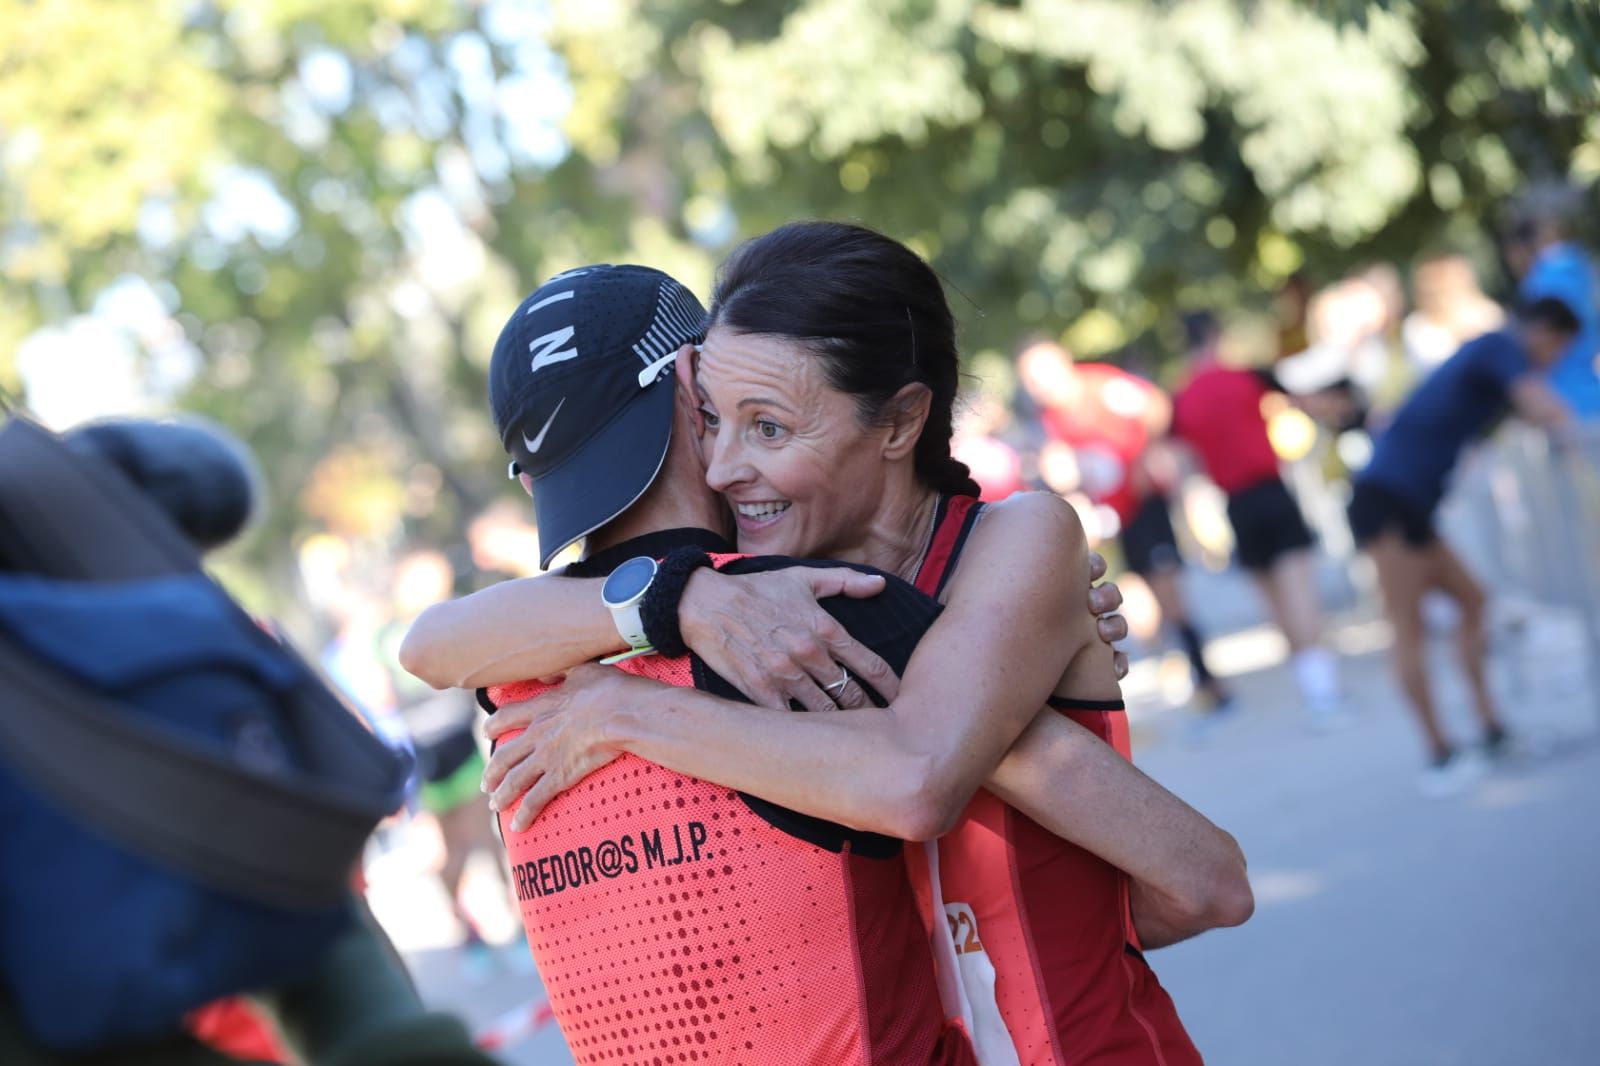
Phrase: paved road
(1393, 930)
(1390, 930)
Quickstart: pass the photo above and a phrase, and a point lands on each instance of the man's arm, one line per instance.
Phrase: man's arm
(1532, 398)
(543, 626)
(526, 627)
(1189, 875)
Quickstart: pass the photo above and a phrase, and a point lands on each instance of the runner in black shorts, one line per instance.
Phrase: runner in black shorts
(1392, 508)
(1267, 524)
(1217, 413)
(1115, 421)
(1375, 510)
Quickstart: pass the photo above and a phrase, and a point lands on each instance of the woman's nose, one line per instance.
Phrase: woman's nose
(724, 467)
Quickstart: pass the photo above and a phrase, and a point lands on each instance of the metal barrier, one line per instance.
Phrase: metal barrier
(1537, 502)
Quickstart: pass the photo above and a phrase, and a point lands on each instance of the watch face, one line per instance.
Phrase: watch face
(628, 580)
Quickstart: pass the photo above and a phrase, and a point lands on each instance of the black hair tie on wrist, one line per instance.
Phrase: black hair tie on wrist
(659, 608)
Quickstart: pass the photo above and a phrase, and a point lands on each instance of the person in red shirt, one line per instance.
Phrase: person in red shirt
(1217, 413)
(1114, 422)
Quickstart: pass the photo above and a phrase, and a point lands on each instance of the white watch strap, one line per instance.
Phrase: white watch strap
(630, 625)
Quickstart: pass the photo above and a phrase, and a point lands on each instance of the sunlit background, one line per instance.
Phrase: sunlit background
(308, 221)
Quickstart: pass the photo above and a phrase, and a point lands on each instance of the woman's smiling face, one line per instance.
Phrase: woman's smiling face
(786, 449)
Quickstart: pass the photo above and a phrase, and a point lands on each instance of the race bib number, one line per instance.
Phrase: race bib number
(976, 973)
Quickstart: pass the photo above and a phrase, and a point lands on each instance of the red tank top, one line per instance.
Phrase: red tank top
(673, 923)
(1218, 412)
(1052, 919)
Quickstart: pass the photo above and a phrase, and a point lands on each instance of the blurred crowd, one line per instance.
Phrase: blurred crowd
(1381, 329)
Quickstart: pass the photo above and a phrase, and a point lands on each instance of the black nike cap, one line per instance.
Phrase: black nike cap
(580, 386)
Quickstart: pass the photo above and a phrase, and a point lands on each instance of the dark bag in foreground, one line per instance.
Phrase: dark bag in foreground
(183, 801)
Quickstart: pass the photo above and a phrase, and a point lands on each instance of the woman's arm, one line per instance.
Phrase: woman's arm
(1189, 875)
(1014, 621)
(746, 636)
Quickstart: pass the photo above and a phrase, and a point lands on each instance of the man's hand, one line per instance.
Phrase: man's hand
(1104, 599)
(766, 634)
(1163, 921)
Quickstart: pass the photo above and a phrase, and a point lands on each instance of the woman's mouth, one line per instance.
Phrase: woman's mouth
(754, 517)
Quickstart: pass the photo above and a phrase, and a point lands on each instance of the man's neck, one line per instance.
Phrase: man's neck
(678, 499)
(640, 521)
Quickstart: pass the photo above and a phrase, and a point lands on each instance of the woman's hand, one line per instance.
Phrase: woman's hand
(563, 739)
(1104, 599)
(767, 636)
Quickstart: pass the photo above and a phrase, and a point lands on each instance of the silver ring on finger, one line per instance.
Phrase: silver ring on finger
(837, 688)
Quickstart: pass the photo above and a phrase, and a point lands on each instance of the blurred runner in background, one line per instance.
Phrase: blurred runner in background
(1217, 413)
(1114, 423)
(1451, 309)
(1392, 508)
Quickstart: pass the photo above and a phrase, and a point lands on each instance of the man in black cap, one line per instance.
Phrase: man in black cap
(588, 427)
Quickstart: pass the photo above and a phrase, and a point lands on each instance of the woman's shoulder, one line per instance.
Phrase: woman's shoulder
(1027, 560)
(1034, 532)
(1040, 515)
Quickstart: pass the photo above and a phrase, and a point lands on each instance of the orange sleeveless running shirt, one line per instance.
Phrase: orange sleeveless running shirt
(1052, 919)
(673, 923)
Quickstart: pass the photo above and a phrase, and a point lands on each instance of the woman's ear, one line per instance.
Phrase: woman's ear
(683, 376)
(908, 413)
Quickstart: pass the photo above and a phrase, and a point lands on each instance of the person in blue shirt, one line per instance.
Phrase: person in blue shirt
(1394, 499)
(1549, 265)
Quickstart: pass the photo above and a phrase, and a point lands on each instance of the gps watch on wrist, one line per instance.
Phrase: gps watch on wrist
(622, 593)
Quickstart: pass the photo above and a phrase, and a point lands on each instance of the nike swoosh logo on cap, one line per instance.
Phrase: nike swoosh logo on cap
(649, 374)
(534, 444)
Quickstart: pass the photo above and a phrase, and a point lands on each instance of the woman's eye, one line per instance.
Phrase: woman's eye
(768, 430)
(712, 421)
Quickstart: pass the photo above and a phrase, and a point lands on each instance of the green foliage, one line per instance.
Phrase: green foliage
(345, 199)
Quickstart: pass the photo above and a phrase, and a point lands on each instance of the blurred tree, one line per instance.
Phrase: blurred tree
(332, 206)
(1087, 164)
(325, 198)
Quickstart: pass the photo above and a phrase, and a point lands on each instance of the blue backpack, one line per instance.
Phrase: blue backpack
(183, 801)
